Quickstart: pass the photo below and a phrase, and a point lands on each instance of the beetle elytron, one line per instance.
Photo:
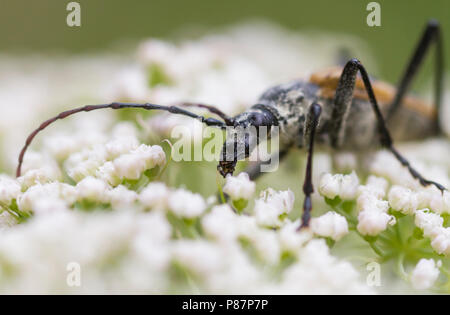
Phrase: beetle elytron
(342, 108)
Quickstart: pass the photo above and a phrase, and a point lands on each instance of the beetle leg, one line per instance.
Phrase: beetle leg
(343, 99)
(312, 121)
(431, 35)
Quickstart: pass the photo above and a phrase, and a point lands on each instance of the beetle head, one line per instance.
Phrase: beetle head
(244, 136)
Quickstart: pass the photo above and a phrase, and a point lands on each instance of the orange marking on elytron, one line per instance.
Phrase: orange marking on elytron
(328, 80)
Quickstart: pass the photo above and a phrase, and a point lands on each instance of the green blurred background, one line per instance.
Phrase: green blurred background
(40, 25)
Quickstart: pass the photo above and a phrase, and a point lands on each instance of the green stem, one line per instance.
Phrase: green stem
(168, 161)
(376, 249)
(401, 268)
(219, 187)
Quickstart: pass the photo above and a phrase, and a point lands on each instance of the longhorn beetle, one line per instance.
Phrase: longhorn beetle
(342, 108)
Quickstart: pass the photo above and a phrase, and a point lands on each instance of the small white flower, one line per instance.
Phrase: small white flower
(107, 172)
(272, 205)
(246, 226)
(369, 201)
(331, 224)
(92, 189)
(199, 256)
(372, 222)
(440, 202)
(349, 186)
(425, 274)
(428, 221)
(403, 199)
(330, 185)
(155, 196)
(441, 241)
(133, 164)
(9, 189)
(119, 146)
(186, 204)
(121, 196)
(129, 166)
(239, 187)
(376, 186)
(266, 243)
(221, 223)
(432, 226)
(68, 193)
(152, 155)
(291, 239)
(344, 186)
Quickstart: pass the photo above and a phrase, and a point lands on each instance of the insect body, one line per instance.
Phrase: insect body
(342, 108)
(289, 103)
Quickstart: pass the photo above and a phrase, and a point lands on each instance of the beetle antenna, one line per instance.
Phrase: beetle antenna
(146, 106)
(229, 121)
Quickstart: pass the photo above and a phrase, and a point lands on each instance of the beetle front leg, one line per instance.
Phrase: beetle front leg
(310, 131)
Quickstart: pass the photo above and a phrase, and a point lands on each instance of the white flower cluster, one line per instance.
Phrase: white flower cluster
(432, 226)
(122, 158)
(141, 245)
(373, 216)
(47, 198)
(181, 202)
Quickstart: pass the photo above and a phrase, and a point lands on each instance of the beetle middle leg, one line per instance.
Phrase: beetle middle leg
(312, 121)
(342, 103)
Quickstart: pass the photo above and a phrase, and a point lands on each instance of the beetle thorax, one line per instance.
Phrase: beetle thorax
(291, 101)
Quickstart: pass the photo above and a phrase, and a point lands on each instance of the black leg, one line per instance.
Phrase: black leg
(311, 124)
(343, 92)
(88, 108)
(432, 34)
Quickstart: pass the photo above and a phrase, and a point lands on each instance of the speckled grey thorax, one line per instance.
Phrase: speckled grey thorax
(291, 102)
